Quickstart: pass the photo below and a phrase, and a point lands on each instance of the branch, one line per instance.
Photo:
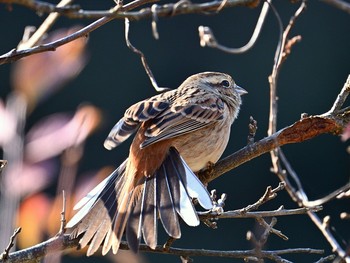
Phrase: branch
(63, 242)
(15, 54)
(143, 59)
(5, 255)
(302, 130)
(207, 37)
(3, 163)
(259, 214)
(342, 5)
(166, 10)
(45, 26)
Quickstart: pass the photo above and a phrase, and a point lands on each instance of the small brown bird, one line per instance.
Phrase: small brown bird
(177, 133)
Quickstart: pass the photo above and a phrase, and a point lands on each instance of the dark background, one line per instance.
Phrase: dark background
(309, 82)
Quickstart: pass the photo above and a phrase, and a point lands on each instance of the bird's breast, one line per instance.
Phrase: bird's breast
(204, 145)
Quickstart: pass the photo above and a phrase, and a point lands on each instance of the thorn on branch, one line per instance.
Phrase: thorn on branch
(5, 254)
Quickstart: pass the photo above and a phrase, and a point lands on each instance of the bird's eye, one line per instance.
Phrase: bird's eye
(225, 83)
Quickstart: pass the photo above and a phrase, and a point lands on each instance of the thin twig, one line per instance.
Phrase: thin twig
(342, 5)
(208, 39)
(15, 55)
(44, 27)
(5, 255)
(3, 163)
(328, 197)
(269, 194)
(143, 59)
(342, 96)
(63, 214)
(328, 235)
(270, 228)
(170, 241)
(326, 259)
(239, 214)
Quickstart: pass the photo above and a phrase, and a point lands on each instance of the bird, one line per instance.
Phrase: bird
(178, 133)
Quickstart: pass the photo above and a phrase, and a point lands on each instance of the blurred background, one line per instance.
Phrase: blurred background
(66, 102)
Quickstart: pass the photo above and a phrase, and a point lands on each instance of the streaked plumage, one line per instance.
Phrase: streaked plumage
(177, 133)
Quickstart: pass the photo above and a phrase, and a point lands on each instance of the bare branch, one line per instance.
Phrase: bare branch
(63, 214)
(239, 214)
(327, 233)
(342, 5)
(15, 54)
(326, 259)
(302, 130)
(59, 243)
(328, 197)
(5, 255)
(270, 228)
(3, 163)
(344, 93)
(166, 10)
(207, 37)
(143, 59)
(45, 26)
(268, 195)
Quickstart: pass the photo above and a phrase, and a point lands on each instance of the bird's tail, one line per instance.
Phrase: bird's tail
(119, 203)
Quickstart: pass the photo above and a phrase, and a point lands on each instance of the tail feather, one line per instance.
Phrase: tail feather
(133, 228)
(99, 236)
(165, 204)
(149, 213)
(118, 204)
(109, 241)
(194, 186)
(186, 208)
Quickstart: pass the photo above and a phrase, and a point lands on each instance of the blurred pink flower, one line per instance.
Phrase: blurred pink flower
(57, 133)
(7, 125)
(346, 133)
(30, 178)
(39, 75)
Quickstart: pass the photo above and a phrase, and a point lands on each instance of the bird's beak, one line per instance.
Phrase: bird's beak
(240, 90)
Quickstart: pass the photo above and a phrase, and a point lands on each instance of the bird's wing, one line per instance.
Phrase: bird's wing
(183, 117)
(168, 115)
(133, 117)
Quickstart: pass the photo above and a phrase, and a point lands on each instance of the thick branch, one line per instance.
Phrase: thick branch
(302, 130)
